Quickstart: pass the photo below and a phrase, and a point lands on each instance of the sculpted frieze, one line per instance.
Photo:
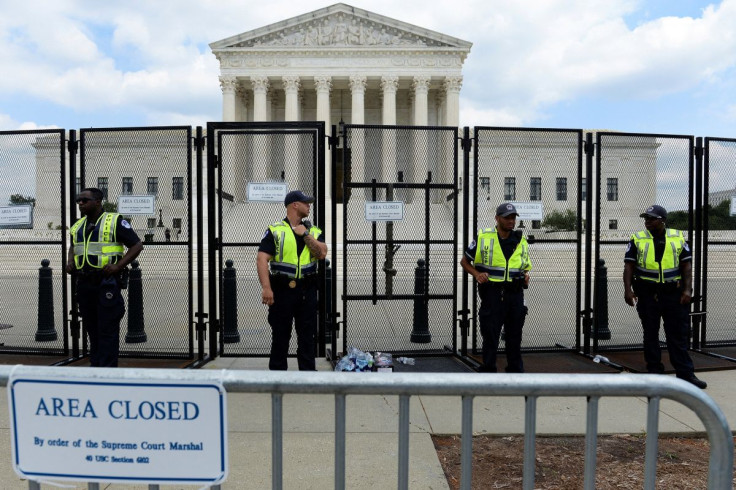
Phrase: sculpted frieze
(414, 60)
(341, 30)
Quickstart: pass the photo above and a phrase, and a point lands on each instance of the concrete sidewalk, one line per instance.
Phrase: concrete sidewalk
(372, 423)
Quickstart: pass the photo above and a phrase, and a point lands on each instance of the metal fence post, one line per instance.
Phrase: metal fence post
(230, 304)
(600, 315)
(420, 326)
(46, 329)
(136, 329)
(328, 302)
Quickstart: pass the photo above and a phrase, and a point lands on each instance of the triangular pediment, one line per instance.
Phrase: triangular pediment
(340, 26)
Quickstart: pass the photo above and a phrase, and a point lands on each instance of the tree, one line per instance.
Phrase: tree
(677, 220)
(18, 199)
(559, 221)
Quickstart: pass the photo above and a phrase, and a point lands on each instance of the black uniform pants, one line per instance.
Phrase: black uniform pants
(654, 307)
(102, 307)
(297, 306)
(501, 307)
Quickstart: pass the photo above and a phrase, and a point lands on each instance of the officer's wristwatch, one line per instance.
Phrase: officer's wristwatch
(305, 234)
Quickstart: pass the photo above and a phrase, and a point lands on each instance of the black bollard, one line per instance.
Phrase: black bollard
(600, 318)
(136, 328)
(46, 330)
(420, 326)
(230, 304)
(328, 302)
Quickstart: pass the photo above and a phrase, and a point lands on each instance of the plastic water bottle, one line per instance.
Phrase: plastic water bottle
(406, 360)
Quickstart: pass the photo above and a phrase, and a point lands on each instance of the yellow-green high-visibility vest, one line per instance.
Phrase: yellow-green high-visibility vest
(489, 257)
(286, 261)
(100, 247)
(647, 268)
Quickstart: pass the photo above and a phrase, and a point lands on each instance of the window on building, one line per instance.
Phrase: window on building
(77, 185)
(102, 185)
(152, 187)
(562, 188)
(509, 188)
(535, 189)
(177, 188)
(583, 189)
(127, 185)
(485, 184)
(613, 224)
(612, 189)
(151, 222)
(536, 224)
(177, 223)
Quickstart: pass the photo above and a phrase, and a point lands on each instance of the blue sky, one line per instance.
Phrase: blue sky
(662, 66)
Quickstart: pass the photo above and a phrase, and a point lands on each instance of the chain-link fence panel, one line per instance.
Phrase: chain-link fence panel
(146, 175)
(397, 270)
(540, 171)
(257, 166)
(32, 247)
(720, 238)
(634, 172)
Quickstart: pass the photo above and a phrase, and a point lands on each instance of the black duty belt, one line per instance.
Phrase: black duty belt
(283, 281)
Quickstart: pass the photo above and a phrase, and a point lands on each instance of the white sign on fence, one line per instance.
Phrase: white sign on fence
(529, 210)
(118, 430)
(384, 210)
(267, 191)
(16, 215)
(138, 205)
(733, 205)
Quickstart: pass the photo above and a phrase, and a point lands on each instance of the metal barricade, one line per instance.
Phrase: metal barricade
(468, 386)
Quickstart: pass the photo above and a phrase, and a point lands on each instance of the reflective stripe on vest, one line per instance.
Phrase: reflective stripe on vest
(99, 248)
(285, 261)
(647, 268)
(489, 257)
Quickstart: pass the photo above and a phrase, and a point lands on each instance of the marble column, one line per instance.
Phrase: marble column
(270, 95)
(452, 86)
(258, 170)
(260, 106)
(292, 161)
(228, 85)
(440, 100)
(356, 172)
(389, 85)
(421, 91)
(241, 103)
(291, 90)
(357, 88)
(323, 86)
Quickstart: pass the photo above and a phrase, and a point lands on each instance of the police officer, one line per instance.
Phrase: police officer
(97, 260)
(658, 281)
(291, 249)
(499, 262)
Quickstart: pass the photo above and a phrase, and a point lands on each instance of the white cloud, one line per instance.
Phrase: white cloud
(153, 57)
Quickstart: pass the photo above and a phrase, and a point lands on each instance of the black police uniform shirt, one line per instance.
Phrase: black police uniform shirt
(659, 244)
(123, 233)
(268, 246)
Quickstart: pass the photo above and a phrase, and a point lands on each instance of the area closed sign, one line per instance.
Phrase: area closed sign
(118, 431)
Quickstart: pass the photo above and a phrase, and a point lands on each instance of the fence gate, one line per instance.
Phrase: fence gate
(719, 219)
(396, 273)
(251, 167)
(32, 246)
(634, 171)
(540, 170)
(155, 165)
